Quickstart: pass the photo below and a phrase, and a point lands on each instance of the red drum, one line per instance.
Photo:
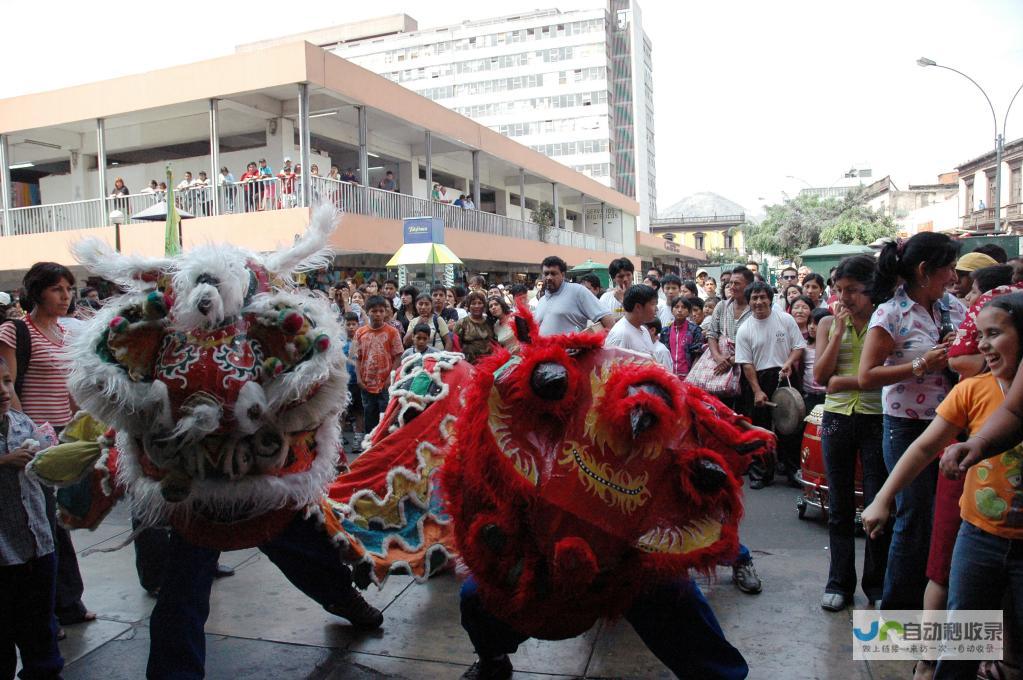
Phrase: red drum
(812, 474)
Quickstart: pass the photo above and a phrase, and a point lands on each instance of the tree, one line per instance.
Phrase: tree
(543, 216)
(808, 221)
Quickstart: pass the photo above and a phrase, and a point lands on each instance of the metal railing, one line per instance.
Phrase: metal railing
(709, 219)
(275, 193)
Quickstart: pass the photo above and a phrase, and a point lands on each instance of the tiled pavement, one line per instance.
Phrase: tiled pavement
(261, 627)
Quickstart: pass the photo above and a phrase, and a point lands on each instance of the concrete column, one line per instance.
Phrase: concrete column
(304, 144)
(428, 141)
(557, 210)
(215, 154)
(603, 221)
(280, 142)
(79, 163)
(582, 211)
(6, 198)
(407, 174)
(101, 169)
(363, 146)
(522, 194)
(476, 179)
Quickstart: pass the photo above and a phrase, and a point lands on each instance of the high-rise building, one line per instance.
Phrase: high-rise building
(576, 86)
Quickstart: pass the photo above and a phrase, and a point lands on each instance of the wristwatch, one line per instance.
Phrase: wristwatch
(919, 367)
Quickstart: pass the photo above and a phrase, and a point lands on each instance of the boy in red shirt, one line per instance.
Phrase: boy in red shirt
(375, 352)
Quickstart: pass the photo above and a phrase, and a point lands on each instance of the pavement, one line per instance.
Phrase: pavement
(262, 627)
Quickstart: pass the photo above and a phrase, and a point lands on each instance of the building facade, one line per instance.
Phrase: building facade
(977, 190)
(918, 207)
(705, 222)
(575, 86)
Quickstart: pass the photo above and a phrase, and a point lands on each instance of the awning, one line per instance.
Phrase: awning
(423, 253)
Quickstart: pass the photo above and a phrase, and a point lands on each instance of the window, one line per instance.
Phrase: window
(698, 239)
(729, 241)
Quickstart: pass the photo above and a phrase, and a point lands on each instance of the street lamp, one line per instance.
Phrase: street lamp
(999, 136)
(117, 218)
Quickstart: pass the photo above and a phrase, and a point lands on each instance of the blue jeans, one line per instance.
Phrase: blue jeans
(984, 567)
(373, 404)
(177, 649)
(27, 595)
(673, 619)
(906, 577)
(843, 438)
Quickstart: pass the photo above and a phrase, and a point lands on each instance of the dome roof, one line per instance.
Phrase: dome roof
(703, 204)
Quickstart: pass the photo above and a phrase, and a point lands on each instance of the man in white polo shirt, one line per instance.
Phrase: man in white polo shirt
(566, 307)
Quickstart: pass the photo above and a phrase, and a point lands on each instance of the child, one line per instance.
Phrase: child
(28, 565)
(661, 353)
(376, 350)
(640, 306)
(813, 392)
(421, 334)
(439, 338)
(987, 552)
(351, 320)
(683, 338)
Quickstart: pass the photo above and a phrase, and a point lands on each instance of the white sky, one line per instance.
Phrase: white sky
(746, 93)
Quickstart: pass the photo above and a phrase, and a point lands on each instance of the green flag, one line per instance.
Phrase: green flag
(172, 238)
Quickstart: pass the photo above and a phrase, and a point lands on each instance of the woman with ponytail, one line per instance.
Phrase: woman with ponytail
(906, 354)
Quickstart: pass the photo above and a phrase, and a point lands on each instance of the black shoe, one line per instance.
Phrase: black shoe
(360, 613)
(222, 571)
(496, 669)
(756, 484)
(745, 577)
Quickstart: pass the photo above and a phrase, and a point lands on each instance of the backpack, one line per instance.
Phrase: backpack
(22, 351)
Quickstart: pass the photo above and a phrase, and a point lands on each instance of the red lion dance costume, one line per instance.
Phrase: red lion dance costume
(583, 477)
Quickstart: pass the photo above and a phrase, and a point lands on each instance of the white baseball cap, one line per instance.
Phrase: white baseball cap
(5, 298)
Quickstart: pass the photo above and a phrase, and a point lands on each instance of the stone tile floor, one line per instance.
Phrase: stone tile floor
(261, 627)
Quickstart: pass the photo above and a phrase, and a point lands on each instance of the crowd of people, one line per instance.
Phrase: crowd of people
(904, 352)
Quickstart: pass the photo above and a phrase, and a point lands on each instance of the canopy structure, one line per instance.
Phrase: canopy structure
(591, 267)
(423, 253)
(823, 258)
(158, 213)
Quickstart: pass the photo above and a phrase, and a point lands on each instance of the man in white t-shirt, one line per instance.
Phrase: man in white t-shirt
(621, 271)
(629, 332)
(767, 346)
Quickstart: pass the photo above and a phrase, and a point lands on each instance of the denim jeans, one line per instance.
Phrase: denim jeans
(373, 404)
(843, 438)
(906, 577)
(27, 595)
(177, 650)
(673, 619)
(984, 567)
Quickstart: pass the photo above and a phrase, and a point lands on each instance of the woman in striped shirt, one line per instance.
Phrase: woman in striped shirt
(44, 398)
(852, 424)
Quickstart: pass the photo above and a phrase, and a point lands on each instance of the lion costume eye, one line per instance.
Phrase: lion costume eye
(549, 381)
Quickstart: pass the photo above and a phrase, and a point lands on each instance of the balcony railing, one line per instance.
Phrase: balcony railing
(277, 194)
(738, 218)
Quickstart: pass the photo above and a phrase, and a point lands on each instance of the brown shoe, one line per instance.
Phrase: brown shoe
(360, 613)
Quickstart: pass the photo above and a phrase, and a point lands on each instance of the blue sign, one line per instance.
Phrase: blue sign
(423, 230)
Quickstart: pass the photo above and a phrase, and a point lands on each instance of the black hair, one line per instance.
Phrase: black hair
(459, 291)
(41, 276)
(591, 279)
(713, 299)
(671, 278)
(789, 268)
(1011, 304)
(992, 277)
(393, 282)
(682, 301)
(745, 273)
(995, 252)
(654, 283)
(351, 316)
(87, 290)
(860, 268)
(638, 294)
(437, 288)
(423, 296)
(409, 290)
(477, 279)
(802, 298)
(376, 301)
(421, 328)
(655, 324)
(520, 289)
(620, 264)
(691, 287)
(757, 287)
(499, 300)
(932, 249)
(554, 261)
(655, 269)
(815, 317)
(814, 276)
(787, 287)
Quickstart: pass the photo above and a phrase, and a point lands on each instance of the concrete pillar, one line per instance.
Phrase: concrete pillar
(557, 210)
(522, 194)
(101, 169)
(603, 221)
(304, 144)
(501, 201)
(6, 198)
(428, 141)
(363, 146)
(407, 174)
(582, 212)
(476, 179)
(214, 155)
(280, 142)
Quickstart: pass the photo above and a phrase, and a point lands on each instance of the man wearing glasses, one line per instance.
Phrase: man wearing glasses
(787, 277)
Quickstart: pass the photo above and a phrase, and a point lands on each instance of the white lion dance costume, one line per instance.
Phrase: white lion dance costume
(222, 381)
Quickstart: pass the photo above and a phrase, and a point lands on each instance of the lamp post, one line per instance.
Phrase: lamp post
(117, 218)
(999, 135)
